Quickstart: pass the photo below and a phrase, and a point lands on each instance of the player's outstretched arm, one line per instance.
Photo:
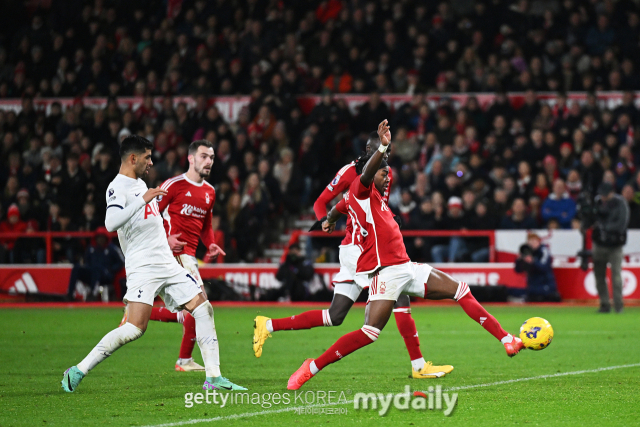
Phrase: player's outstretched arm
(374, 162)
(334, 215)
(117, 216)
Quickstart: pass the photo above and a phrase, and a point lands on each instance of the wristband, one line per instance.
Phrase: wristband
(382, 148)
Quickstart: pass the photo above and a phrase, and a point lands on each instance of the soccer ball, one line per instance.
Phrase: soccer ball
(536, 333)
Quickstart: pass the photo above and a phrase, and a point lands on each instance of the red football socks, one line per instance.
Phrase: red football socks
(161, 314)
(188, 336)
(306, 320)
(407, 327)
(346, 345)
(474, 310)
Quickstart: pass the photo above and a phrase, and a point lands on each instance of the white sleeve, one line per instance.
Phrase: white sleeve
(118, 212)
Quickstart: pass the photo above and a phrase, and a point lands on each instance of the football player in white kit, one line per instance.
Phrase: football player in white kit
(152, 270)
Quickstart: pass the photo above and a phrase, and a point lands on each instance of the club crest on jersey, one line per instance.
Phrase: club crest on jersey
(206, 196)
(110, 192)
(383, 288)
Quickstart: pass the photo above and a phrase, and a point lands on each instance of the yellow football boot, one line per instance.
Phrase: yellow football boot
(260, 334)
(431, 371)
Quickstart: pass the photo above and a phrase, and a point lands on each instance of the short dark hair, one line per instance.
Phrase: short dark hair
(373, 136)
(134, 144)
(193, 147)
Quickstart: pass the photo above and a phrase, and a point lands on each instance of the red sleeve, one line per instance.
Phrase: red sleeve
(320, 206)
(359, 190)
(342, 206)
(163, 204)
(339, 185)
(206, 234)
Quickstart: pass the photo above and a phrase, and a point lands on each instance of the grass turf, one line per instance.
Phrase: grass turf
(138, 386)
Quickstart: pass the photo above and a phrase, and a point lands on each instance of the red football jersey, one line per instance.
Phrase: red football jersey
(340, 184)
(374, 226)
(186, 209)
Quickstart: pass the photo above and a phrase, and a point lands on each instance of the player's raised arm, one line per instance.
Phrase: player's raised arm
(374, 163)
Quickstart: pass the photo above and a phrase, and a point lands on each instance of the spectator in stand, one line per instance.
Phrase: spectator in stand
(102, 262)
(9, 252)
(559, 205)
(456, 248)
(517, 218)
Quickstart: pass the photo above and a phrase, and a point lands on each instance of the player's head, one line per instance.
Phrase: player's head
(381, 179)
(201, 156)
(373, 142)
(135, 153)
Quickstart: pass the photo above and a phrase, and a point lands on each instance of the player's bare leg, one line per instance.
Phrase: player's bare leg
(185, 362)
(442, 286)
(333, 316)
(207, 339)
(134, 328)
(377, 316)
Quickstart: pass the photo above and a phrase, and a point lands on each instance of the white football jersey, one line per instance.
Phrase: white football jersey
(142, 238)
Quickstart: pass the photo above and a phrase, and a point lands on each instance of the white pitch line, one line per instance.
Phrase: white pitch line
(541, 377)
(465, 387)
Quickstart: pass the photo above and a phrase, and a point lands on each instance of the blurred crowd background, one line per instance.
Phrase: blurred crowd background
(454, 166)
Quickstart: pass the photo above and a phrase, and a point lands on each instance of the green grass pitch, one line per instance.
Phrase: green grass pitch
(138, 386)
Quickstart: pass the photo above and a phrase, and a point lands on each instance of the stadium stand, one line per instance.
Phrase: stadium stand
(530, 104)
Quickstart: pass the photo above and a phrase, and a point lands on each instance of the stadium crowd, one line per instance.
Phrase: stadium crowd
(455, 166)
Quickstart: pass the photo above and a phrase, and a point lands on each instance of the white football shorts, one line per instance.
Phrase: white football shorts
(346, 282)
(175, 285)
(190, 263)
(409, 278)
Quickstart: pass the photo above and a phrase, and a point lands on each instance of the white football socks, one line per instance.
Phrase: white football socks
(207, 338)
(269, 326)
(313, 368)
(108, 344)
(418, 364)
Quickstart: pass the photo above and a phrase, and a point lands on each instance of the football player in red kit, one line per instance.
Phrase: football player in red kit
(347, 286)
(186, 210)
(384, 262)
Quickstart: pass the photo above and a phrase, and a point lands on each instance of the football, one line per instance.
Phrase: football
(536, 333)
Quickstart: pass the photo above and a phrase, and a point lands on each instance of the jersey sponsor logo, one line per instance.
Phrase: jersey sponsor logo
(206, 196)
(110, 192)
(151, 209)
(192, 211)
(188, 194)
